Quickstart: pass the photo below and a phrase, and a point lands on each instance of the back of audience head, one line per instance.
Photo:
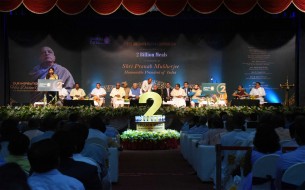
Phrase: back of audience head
(74, 117)
(235, 121)
(8, 129)
(203, 120)
(223, 115)
(65, 142)
(253, 117)
(44, 156)
(12, 177)
(274, 120)
(49, 124)
(218, 123)
(266, 140)
(96, 122)
(78, 132)
(19, 145)
(33, 124)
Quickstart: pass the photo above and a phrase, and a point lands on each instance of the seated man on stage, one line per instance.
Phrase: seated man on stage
(187, 90)
(134, 94)
(166, 92)
(117, 96)
(195, 95)
(126, 88)
(156, 89)
(178, 95)
(240, 93)
(63, 93)
(98, 94)
(77, 93)
(258, 93)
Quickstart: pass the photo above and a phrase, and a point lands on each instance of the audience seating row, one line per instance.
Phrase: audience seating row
(206, 158)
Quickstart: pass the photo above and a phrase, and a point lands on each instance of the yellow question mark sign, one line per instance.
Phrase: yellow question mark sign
(156, 105)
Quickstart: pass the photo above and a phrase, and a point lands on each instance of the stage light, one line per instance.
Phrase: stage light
(271, 96)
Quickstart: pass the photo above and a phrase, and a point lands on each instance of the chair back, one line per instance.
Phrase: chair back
(206, 161)
(294, 175)
(264, 172)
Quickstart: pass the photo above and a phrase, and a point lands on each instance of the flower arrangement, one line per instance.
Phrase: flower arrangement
(142, 140)
(28, 112)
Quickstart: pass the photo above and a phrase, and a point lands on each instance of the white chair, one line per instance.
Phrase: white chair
(294, 175)
(183, 135)
(113, 164)
(205, 162)
(193, 153)
(264, 170)
(189, 138)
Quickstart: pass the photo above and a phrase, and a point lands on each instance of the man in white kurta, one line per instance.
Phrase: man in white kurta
(258, 92)
(146, 85)
(77, 93)
(98, 94)
(178, 95)
(117, 96)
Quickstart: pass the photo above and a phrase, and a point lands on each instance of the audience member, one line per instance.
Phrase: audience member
(12, 177)
(237, 137)
(97, 130)
(216, 130)
(18, 148)
(48, 126)
(86, 173)
(33, 129)
(297, 156)
(200, 127)
(44, 159)
(7, 132)
(266, 141)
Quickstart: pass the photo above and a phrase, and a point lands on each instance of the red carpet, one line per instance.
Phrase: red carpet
(157, 169)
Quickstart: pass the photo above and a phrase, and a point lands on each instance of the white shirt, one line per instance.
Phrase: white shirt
(63, 92)
(179, 92)
(116, 91)
(260, 92)
(80, 92)
(98, 92)
(146, 87)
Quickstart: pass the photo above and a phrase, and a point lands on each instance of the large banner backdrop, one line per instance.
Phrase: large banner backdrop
(210, 57)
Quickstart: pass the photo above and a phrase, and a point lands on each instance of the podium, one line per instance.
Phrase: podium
(46, 85)
(51, 88)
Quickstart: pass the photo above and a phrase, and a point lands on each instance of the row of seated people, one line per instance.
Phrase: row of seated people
(58, 154)
(271, 132)
(179, 97)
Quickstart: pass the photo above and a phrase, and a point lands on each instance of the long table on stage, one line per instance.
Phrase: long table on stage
(244, 102)
(78, 103)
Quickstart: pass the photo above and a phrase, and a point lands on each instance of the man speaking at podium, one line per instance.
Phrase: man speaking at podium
(47, 60)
